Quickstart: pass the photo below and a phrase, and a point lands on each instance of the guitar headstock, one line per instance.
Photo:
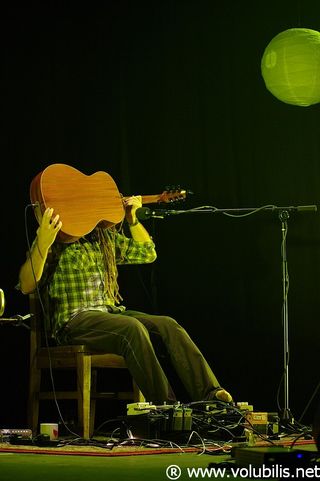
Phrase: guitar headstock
(170, 195)
(173, 194)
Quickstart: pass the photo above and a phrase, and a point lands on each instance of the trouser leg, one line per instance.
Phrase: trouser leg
(128, 337)
(186, 358)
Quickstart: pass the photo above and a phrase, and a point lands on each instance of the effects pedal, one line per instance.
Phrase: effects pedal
(134, 409)
(181, 419)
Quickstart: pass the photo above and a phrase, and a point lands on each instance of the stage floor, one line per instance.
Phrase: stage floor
(82, 463)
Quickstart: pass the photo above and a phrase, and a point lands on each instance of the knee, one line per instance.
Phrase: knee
(170, 324)
(169, 321)
(135, 327)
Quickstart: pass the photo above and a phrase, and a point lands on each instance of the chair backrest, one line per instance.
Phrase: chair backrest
(40, 324)
(35, 324)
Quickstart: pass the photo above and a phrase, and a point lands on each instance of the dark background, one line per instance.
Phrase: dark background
(170, 93)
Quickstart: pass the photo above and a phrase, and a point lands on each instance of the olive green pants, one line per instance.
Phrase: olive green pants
(135, 335)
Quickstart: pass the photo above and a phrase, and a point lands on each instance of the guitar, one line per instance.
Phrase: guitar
(84, 201)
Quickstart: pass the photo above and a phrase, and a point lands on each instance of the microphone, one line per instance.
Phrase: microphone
(312, 208)
(298, 208)
(144, 213)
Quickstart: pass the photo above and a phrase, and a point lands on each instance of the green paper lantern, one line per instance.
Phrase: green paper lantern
(290, 66)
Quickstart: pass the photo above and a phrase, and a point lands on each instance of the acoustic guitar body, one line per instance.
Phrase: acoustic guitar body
(82, 201)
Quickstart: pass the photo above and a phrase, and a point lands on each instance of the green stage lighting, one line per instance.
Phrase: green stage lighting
(290, 66)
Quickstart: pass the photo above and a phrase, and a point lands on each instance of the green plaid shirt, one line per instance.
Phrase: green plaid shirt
(74, 276)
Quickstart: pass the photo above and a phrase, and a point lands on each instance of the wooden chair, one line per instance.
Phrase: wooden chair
(82, 362)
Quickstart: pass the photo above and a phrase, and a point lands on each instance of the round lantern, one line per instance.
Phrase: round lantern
(290, 66)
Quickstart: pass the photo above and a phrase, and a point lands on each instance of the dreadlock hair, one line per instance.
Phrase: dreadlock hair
(106, 241)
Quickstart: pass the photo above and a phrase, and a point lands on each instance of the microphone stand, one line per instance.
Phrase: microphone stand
(145, 213)
(17, 320)
(285, 415)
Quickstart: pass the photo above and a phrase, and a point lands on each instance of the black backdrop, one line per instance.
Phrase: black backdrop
(170, 93)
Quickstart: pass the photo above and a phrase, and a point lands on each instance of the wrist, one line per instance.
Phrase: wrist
(132, 224)
(39, 251)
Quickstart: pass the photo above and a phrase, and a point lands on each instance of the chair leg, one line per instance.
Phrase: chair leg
(94, 375)
(84, 389)
(33, 401)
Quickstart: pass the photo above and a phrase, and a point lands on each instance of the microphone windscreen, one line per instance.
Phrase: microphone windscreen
(143, 213)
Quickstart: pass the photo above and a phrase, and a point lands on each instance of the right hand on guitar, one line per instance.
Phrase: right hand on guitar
(48, 229)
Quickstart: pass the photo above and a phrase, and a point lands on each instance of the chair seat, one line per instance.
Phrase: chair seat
(66, 356)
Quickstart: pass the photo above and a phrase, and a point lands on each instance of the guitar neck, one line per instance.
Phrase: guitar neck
(165, 197)
(150, 199)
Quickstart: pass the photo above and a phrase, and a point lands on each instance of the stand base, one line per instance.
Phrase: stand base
(286, 417)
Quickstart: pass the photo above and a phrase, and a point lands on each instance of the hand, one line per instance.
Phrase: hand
(131, 204)
(48, 229)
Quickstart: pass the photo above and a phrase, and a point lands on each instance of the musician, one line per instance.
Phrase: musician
(79, 283)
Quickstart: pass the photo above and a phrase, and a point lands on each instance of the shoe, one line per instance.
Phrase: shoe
(219, 394)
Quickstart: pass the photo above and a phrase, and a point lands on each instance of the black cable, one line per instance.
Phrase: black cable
(310, 401)
(45, 320)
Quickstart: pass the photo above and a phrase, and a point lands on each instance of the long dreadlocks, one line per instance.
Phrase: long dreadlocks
(106, 241)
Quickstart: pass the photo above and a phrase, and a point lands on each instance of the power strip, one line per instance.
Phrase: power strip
(23, 433)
